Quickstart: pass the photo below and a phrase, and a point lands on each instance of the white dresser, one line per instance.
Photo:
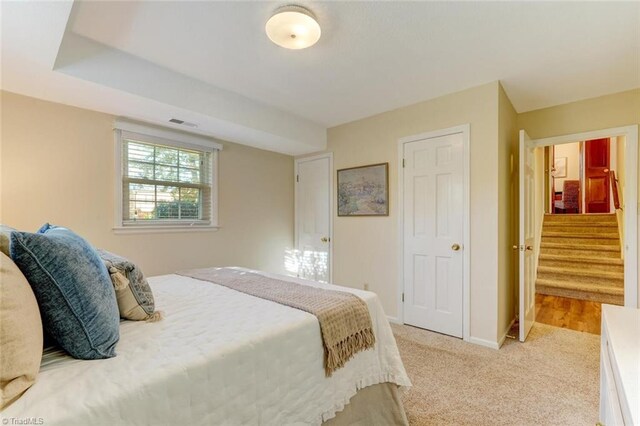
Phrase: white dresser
(620, 366)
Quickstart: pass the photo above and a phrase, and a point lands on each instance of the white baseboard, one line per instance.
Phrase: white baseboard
(483, 342)
(504, 334)
(393, 320)
(474, 340)
(489, 343)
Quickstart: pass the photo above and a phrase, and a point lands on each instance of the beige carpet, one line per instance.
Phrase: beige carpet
(552, 379)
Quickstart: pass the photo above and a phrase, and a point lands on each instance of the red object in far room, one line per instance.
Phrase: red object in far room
(596, 167)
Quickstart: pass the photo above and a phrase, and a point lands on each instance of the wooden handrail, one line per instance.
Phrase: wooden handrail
(614, 189)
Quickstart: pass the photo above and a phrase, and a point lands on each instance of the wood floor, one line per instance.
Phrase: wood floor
(574, 314)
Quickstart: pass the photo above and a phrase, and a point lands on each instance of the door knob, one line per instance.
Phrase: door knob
(529, 248)
(455, 247)
(324, 239)
(606, 170)
(514, 247)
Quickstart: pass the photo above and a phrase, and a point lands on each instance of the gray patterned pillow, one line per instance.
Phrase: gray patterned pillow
(135, 299)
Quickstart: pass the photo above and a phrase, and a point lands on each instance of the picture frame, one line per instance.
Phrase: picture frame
(560, 167)
(363, 191)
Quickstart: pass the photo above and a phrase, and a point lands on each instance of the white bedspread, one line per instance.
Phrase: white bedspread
(219, 357)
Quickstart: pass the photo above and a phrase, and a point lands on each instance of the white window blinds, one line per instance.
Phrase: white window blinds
(165, 182)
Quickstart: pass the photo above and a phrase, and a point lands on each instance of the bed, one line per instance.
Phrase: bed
(220, 357)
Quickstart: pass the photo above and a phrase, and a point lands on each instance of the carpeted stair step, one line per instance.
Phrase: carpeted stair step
(577, 285)
(570, 248)
(590, 233)
(586, 224)
(582, 275)
(580, 218)
(598, 264)
(579, 290)
(579, 228)
(579, 241)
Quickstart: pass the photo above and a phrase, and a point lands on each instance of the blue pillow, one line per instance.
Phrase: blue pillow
(73, 289)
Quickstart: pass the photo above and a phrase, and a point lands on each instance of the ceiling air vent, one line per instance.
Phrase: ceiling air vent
(182, 122)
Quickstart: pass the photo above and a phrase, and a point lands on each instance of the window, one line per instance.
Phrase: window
(165, 183)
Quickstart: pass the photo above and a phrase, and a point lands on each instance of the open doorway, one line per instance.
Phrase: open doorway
(580, 263)
(582, 177)
(579, 244)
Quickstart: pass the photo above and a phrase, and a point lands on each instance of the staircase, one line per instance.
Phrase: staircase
(580, 258)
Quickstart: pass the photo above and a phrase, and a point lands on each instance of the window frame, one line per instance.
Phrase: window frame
(169, 138)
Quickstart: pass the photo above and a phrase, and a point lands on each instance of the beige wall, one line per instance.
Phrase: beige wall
(366, 248)
(508, 207)
(572, 152)
(619, 109)
(57, 165)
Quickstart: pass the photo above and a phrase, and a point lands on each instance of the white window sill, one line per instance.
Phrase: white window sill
(162, 229)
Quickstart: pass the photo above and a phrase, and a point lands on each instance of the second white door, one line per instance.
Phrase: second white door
(433, 189)
(313, 217)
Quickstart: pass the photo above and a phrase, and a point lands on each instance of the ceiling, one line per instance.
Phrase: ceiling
(212, 64)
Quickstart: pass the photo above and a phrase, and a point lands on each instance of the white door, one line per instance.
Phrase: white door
(313, 217)
(433, 220)
(527, 237)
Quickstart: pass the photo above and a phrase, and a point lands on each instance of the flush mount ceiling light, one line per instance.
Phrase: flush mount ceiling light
(293, 27)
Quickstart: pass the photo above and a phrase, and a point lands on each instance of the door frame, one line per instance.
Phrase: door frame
(466, 239)
(524, 145)
(296, 163)
(630, 197)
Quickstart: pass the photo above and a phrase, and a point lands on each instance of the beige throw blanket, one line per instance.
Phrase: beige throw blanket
(345, 323)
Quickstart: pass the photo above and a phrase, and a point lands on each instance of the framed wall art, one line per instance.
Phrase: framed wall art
(560, 167)
(364, 190)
